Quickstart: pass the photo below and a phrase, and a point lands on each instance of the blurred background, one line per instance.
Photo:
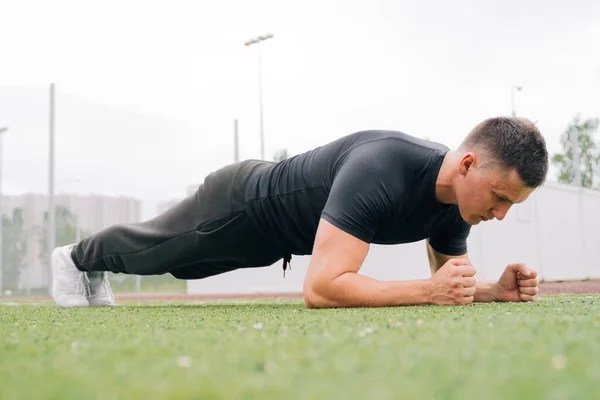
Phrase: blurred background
(112, 111)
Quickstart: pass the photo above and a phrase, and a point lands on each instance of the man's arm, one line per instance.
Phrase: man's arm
(485, 291)
(332, 279)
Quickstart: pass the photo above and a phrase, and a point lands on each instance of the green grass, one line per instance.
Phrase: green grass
(280, 350)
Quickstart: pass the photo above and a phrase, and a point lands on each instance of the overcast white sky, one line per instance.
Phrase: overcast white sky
(135, 75)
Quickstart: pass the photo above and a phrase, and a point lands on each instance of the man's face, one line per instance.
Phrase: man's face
(487, 192)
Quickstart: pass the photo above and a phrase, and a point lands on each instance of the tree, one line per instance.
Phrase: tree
(14, 248)
(281, 155)
(66, 230)
(589, 154)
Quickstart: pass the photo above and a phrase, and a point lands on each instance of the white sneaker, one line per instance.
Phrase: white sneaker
(68, 283)
(100, 294)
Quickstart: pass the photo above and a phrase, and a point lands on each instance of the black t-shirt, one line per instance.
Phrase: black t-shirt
(378, 186)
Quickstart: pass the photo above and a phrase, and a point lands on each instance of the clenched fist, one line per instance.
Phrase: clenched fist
(453, 283)
(517, 283)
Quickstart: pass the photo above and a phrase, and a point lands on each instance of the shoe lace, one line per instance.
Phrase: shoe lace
(101, 288)
(106, 284)
(83, 284)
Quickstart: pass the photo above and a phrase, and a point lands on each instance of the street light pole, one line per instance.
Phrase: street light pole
(257, 40)
(51, 236)
(514, 89)
(2, 130)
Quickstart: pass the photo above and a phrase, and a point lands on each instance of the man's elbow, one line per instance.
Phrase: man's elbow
(313, 297)
(309, 300)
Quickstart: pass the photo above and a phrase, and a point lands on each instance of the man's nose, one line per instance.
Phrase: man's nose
(500, 211)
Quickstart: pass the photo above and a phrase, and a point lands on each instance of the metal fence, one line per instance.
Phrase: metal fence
(95, 166)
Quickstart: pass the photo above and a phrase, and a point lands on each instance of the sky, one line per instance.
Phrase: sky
(147, 91)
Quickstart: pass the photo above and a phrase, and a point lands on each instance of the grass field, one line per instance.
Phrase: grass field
(280, 350)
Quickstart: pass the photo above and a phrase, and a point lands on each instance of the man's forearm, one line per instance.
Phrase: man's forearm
(485, 291)
(354, 290)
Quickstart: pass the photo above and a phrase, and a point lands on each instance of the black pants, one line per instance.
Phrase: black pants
(206, 234)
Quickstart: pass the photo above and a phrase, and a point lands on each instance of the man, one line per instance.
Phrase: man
(382, 187)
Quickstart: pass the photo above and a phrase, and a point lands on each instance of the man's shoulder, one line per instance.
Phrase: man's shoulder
(392, 150)
(392, 140)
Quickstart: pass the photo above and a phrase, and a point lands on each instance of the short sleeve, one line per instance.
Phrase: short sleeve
(361, 198)
(452, 239)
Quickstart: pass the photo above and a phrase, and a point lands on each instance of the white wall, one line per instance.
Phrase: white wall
(556, 231)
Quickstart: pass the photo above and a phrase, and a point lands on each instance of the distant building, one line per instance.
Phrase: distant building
(165, 205)
(93, 212)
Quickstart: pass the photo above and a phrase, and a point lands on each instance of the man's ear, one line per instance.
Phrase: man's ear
(466, 163)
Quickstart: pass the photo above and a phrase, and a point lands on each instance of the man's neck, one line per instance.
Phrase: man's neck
(444, 187)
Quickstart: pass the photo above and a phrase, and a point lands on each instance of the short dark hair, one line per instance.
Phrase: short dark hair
(514, 143)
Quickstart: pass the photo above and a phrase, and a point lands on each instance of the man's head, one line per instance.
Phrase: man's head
(501, 162)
